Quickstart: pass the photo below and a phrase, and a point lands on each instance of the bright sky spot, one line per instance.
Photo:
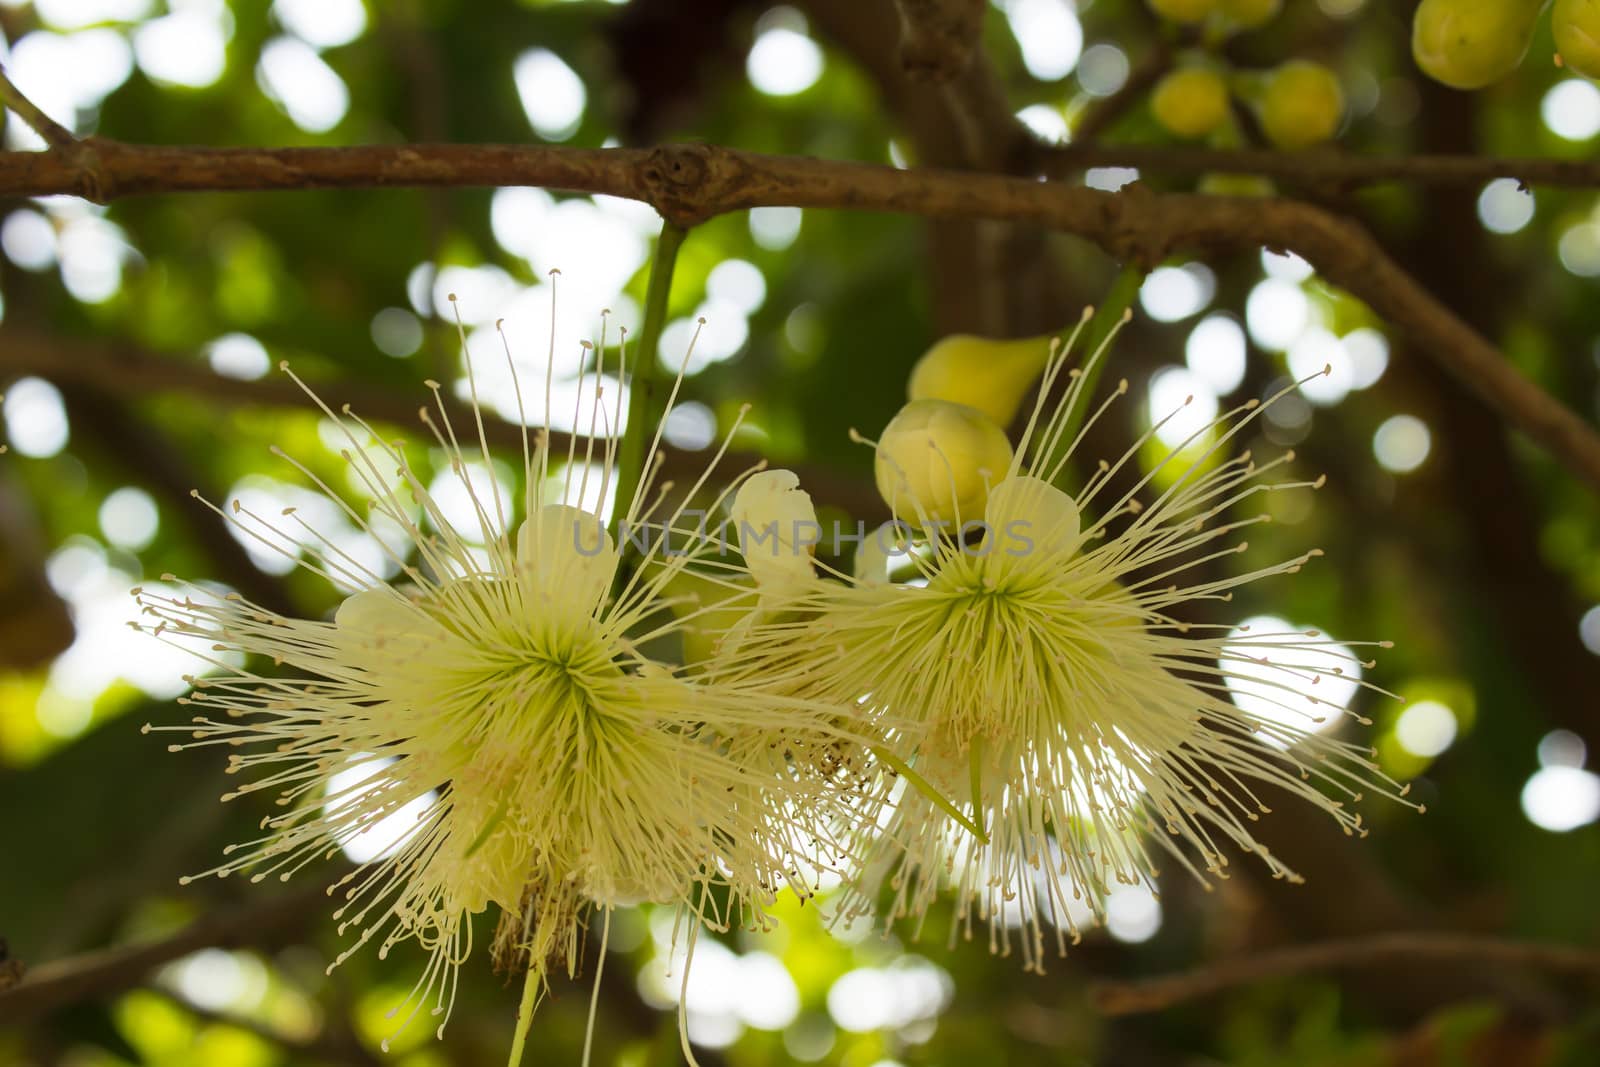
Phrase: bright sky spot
(516, 215)
(1313, 352)
(888, 998)
(775, 228)
(480, 293)
(1215, 353)
(1504, 206)
(1285, 265)
(739, 283)
(1103, 69)
(1276, 312)
(297, 79)
(29, 240)
(467, 499)
(36, 420)
(783, 60)
(1132, 913)
(1369, 356)
(726, 992)
(322, 23)
(552, 94)
(75, 14)
(1280, 690)
(1579, 249)
(128, 518)
(1571, 109)
(1049, 35)
(91, 250)
(719, 338)
(1182, 398)
(1560, 798)
(275, 549)
(691, 426)
(188, 48)
(218, 980)
(768, 998)
(396, 332)
(1562, 748)
(66, 74)
(1045, 121)
(1109, 179)
(1426, 728)
(238, 355)
(1401, 444)
(381, 836)
(105, 647)
(1589, 630)
(1172, 293)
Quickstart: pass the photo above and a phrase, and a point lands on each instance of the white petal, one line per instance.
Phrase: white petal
(567, 555)
(776, 527)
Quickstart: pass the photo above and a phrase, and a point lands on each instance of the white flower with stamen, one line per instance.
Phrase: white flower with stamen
(501, 686)
(1042, 688)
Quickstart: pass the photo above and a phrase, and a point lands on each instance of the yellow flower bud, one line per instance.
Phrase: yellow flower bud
(1183, 10)
(1301, 104)
(936, 461)
(991, 376)
(1191, 102)
(1250, 13)
(1576, 25)
(1467, 44)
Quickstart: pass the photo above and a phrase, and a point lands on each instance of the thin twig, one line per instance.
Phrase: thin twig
(48, 986)
(54, 134)
(1157, 994)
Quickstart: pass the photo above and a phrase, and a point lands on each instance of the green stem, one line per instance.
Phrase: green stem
(641, 393)
(1119, 298)
(923, 786)
(530, 993)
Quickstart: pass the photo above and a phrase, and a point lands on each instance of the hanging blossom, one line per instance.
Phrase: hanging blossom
(501, 687)
(1059, 727)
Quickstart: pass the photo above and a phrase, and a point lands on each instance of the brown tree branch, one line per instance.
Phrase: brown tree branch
(690, 183)
(1454, 950)
(938, 37)
(48, 986)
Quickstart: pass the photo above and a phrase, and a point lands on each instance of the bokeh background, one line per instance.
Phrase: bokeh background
(138, 349)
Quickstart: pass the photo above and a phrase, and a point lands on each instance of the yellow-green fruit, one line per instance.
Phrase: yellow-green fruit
(1191, 102)
(1467, 44)
(936, 461)
(992, 376)
(1250, 13)
(1301, 104)
(1576, 25)
(1183, 10)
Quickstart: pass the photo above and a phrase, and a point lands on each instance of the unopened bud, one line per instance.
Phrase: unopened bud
(936, 461)
(1467, 44)
(992, 376)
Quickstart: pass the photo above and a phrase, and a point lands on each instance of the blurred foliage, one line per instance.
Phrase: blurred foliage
(1458, 561)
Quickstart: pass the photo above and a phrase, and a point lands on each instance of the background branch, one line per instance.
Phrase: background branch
(1454, 950)
(48, 986)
